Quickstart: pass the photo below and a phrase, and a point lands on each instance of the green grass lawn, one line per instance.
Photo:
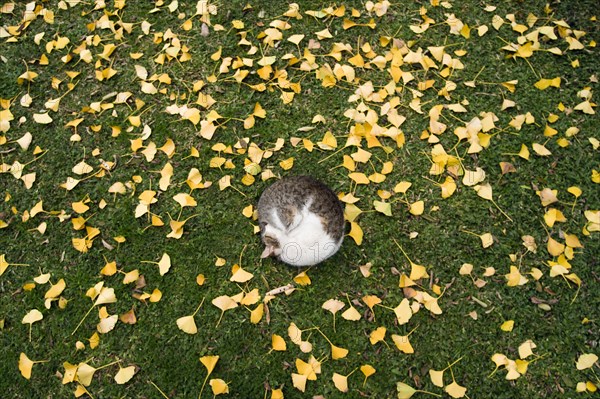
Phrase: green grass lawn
(158, 97)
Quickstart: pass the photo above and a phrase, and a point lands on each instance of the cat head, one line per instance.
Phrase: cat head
(272, 247)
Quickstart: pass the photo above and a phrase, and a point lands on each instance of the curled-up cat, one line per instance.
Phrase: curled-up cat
(301, 221)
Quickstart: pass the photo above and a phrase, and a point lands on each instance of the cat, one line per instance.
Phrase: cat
(301, 221)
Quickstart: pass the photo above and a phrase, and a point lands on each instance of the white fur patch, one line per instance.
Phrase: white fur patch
(306, 243)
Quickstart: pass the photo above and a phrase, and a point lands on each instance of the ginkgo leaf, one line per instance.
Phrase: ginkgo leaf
(526, 349)
(85, 374)
(337, 352)
(455, 390)
(403, 311)
(218, 386)
(340, 382)
(402, 343)
(417, 208)
(540, 150)
(278, 343)
(586, 361)
(56, 289)
(43, 119)
(107, 324)
(333, 305)
(209, 362)
(25, 366)
(507, 325)
(377, 335)
(351, 314)
(437, 377)
(240, 275)
(302, 279)
(184, 200)
(105, 296)
(356, 233)
(299, 381)
(383, 207)
(224, 303)
(124, 375)
(404, 391)
(32, 316)
(164, 265)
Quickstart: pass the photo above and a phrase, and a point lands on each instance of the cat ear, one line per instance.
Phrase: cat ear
(269, 251)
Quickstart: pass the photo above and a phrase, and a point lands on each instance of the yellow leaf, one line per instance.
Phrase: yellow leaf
(278, 343)
(239, 275)
(507, 325)
(70, 371)
(351, 314)
(526, 349)
(356, 233)
(472, 178)
(402, 343)
(42, 119)
(287, 164)
(218, 386)
(547, 196)
(455, 390)
(543, 84)
(32, 316)
(448, 187)
(586, 361)
(554, 247)
(359, 178)
(79, 207)
(209, 362)
(383, 207)
(155, 296)
(224, 303)
(25, 365)
(337, 352)
(250, 298)
(276, 394)
(333, 305)
(486, 240)
(324, 34)
(340, 382)
(417, 208)
(367, 370)
(164, 264)
(328, 142)
(107, 324)
(437, 377)
(404, 391)
(484, 191)
(299, 381)
(371, 301)
(124, 374)
(524, 152)
(184, 200)
(85, 373)
(296, 39)
(540, 150)
(402, 187)
(403, 312)
(187, 324)
(515, 278)
(572, 241)
(377, 335)
(302, 279)
(56, 289)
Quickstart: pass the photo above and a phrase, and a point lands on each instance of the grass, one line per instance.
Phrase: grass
(166, 357)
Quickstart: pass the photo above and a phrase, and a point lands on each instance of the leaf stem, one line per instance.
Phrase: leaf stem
(158, 389)
(198, 308)
(84, 317)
